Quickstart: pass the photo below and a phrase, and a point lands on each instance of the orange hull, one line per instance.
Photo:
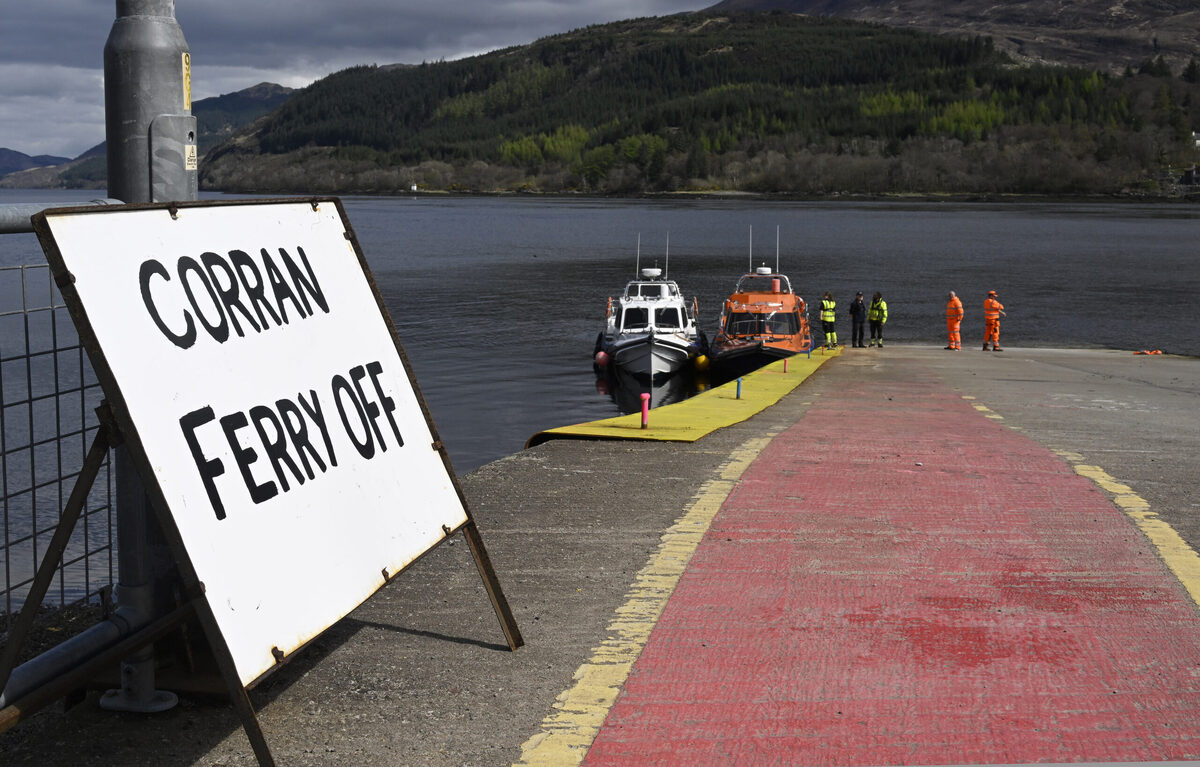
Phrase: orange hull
(761, 321)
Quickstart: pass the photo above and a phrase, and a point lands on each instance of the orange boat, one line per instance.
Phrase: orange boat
(762, 320)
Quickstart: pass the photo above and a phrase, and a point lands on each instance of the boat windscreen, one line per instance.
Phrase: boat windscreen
(755, 324)
(634, 318)
(668, 319)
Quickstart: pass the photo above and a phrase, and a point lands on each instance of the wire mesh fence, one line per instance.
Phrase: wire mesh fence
(48, 396)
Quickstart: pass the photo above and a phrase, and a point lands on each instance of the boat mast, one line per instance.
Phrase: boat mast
(751, 269)
(637, 266)
(667, 268)
(777, 248)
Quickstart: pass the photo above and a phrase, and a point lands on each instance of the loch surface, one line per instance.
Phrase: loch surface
(498, 300)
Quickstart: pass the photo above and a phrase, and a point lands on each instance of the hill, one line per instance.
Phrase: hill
(221, 117)
(217, 119)
(1108, 35)
(767, 102)
(12, 161)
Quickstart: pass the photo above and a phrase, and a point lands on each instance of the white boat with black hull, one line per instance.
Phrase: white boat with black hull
(650, 331)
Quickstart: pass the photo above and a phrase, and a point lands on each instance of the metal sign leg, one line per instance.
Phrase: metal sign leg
(237, 691)
(490, 582)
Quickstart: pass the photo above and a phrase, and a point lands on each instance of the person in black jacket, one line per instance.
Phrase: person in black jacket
(858, 320)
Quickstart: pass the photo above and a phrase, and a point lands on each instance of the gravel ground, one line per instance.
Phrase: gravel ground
(420, 674)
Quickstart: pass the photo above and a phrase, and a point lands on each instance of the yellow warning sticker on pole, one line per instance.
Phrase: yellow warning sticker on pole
(187, 81)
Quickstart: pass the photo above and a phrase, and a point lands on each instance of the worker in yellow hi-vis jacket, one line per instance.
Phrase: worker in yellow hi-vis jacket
(877, 316)
(828, 315)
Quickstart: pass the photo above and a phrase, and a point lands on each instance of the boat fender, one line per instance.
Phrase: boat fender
(601, 359)
(701, 362)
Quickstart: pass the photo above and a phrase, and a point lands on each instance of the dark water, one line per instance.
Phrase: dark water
(498, 301)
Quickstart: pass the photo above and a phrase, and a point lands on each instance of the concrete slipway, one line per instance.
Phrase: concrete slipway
(915, 557)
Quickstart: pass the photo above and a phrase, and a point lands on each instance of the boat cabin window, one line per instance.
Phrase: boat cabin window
(754, 323)
(668, 318)
(638, 318)
(653, 290)
(781, 324)
(634, 318)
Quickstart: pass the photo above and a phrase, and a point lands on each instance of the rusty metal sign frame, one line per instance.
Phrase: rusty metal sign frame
(123, 423)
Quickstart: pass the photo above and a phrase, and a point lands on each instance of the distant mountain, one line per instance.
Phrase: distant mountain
(217, 119)
(12, 161)
(220, 117)
(1108, 35)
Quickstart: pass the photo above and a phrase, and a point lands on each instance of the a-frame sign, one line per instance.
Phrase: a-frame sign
(252, 370)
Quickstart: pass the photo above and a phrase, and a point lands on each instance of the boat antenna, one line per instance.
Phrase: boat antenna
(751, 248)
(667, 268)
(777, 248)
(637, 268)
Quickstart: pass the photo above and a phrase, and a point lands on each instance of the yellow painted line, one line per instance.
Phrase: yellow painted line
(567, 732)
(987, 412)
(703, 414)
(1180, 558)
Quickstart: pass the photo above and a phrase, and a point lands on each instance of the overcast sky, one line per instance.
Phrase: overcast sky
(52, 51)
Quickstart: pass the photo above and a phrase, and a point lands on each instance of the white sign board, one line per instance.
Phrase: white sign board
(247, 347)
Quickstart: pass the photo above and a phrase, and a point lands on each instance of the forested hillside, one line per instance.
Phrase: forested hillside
(772, 102)
(1108, 35)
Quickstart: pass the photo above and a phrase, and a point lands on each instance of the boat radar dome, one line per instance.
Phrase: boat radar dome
(763, 270)
(651, 273)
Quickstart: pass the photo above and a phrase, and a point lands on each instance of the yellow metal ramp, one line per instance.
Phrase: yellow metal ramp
(704, 413)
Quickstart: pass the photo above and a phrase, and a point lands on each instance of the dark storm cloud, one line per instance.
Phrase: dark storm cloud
(51, 51)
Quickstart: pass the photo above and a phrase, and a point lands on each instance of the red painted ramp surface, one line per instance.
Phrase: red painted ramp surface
(899, 580)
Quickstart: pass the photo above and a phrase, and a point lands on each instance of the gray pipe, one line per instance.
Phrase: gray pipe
(14, 218)
(60, 659)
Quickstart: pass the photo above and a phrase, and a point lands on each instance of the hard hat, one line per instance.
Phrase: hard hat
(991, 292)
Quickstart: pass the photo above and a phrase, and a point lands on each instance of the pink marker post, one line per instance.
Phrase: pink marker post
(645, 410)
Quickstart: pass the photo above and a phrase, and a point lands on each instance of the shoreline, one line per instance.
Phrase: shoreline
(1191, 197)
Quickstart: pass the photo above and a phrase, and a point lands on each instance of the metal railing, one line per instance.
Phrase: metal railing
(48, 396)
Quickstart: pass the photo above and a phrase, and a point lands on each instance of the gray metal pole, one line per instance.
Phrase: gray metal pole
(151, 137)
(150, 129)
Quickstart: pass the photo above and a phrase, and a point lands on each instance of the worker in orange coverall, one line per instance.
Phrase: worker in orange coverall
(993, 310)
(954, 315)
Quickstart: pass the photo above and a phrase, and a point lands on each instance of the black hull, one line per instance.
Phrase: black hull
(727, 365)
